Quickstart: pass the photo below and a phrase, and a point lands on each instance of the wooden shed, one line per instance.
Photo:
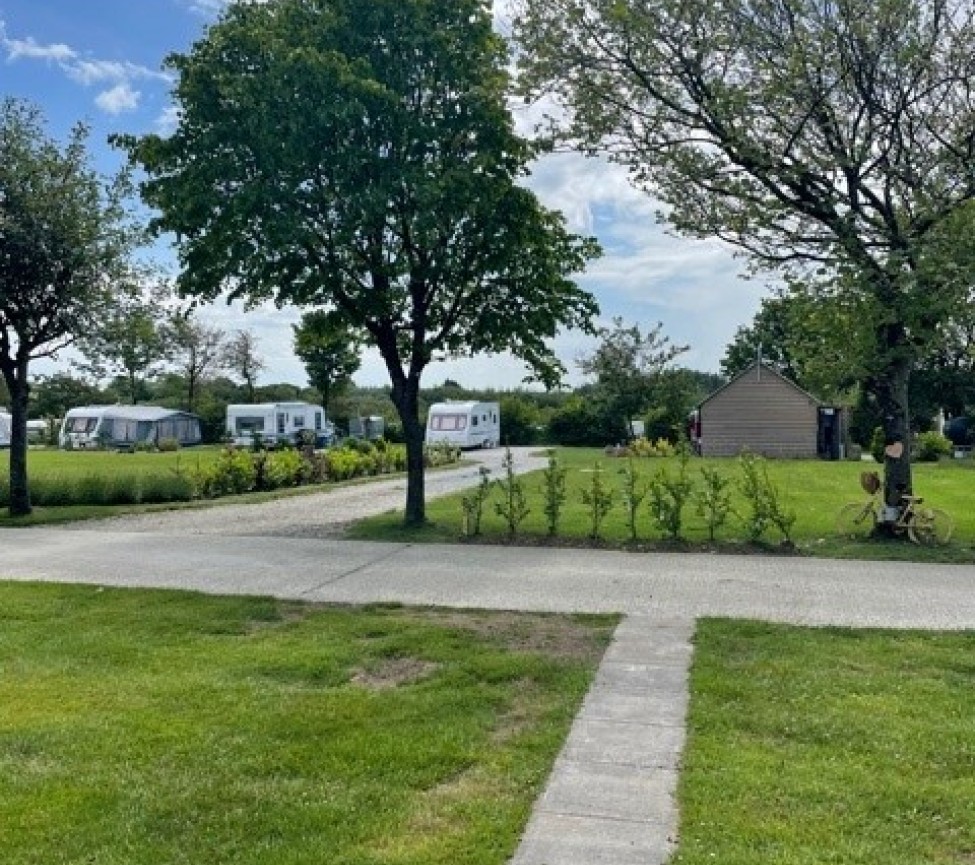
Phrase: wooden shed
(761, 411)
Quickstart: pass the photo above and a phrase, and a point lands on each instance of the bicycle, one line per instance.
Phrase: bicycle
(925, 526)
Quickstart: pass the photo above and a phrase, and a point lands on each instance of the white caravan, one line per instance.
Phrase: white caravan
(95, 426)
(464, 424)
(276, 423)
(5, 421)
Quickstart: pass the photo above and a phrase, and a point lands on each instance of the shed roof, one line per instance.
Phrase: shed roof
(764, 368)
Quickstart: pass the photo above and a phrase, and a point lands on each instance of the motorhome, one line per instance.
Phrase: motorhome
(274, 423)
(93, 426)
(464, 424)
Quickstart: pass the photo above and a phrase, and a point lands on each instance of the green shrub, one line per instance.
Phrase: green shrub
(931, 446)
(877, 444)
(635, 490)
(168, 445)
(283, 469)
(713, 500)
(598, 498)
(473, 503)
(553, 491)
(513, 507)
(234, 471)
(669, 494)
(764, 501)
(173, 487)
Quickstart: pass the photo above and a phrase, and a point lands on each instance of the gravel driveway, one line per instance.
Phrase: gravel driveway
(315, 515)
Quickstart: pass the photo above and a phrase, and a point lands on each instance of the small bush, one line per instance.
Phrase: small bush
(877, 444)
(161, 488)
(931, 446)
(233, 472)
(764, 501)
(553, 491)
(669, 495)
(713, 500)
(635, 490)
(513, 507)
(473, 503)
(598, 498)
(168, 445)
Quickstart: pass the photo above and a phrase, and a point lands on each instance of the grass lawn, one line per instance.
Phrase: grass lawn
(156, 727)
(809, 746)
(814, 489)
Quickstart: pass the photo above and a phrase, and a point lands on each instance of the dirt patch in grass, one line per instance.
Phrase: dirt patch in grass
(554, 635)
(394, 673)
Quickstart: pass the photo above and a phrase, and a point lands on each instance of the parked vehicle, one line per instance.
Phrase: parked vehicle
(274, 423)
(5, 421)
(464, 424)
(93, 426)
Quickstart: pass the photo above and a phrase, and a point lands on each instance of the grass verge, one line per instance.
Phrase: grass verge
(813, 489)
(146, 727)
(808, 746)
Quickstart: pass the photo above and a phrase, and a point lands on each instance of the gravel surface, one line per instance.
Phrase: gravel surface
(315, 515)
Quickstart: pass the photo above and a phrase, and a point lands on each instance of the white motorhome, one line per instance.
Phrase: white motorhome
(276, 423)
(5, 421)
(464, 424)
(93, 426)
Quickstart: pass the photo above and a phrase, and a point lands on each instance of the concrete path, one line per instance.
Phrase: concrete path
(610, 799)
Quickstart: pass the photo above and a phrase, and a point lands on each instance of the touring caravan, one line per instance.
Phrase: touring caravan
(4, 429)
(274, 423)
(93, 426)
(464, 424)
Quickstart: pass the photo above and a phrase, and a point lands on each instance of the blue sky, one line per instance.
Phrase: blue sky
(101, 62)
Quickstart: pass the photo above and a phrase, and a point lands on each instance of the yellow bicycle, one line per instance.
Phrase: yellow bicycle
(926, 526)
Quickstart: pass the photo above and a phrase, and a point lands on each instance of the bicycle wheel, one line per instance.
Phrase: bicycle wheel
(856, 520)
(930, 527)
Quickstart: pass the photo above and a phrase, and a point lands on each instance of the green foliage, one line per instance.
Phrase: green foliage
(931, 446)
(473, 502)
(513, 507)
(878, 442)
(598, 499)
(635, 490)
(764, 502)
(582, 422)
(642, 447)
(521, 420)
(553, 492)
(627, 364)
(233, 472)
(329, 349)
(669, 495)
(713, 500)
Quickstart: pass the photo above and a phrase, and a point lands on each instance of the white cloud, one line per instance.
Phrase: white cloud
(119, 74)
(118, 100)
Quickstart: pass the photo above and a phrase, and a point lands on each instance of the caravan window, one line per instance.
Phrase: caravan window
(246, 425)
(299, 421)
(82, 424)
(282, 424)
(474, 420)
(447, 422)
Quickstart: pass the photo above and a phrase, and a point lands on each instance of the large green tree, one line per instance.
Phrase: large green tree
(329, 349)
(65, 240)
(812, 135)
(132, 342)
(359, 155)
(628, 365)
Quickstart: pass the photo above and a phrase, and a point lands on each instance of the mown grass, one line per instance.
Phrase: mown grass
(808, 746)
(147, 727)
(813, 489)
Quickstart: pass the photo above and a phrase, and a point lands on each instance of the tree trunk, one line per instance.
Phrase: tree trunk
(890, 391)
(405, 397)
(19, 388)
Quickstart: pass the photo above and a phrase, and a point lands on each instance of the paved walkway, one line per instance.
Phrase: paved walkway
(610, 799)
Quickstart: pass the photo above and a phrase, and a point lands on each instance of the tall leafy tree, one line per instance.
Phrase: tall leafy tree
(132, 343)
(241, 358)
(198, 352)
(359, 155)
(627, 365)
(65, 241)
(814, 136)
(329, 349)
